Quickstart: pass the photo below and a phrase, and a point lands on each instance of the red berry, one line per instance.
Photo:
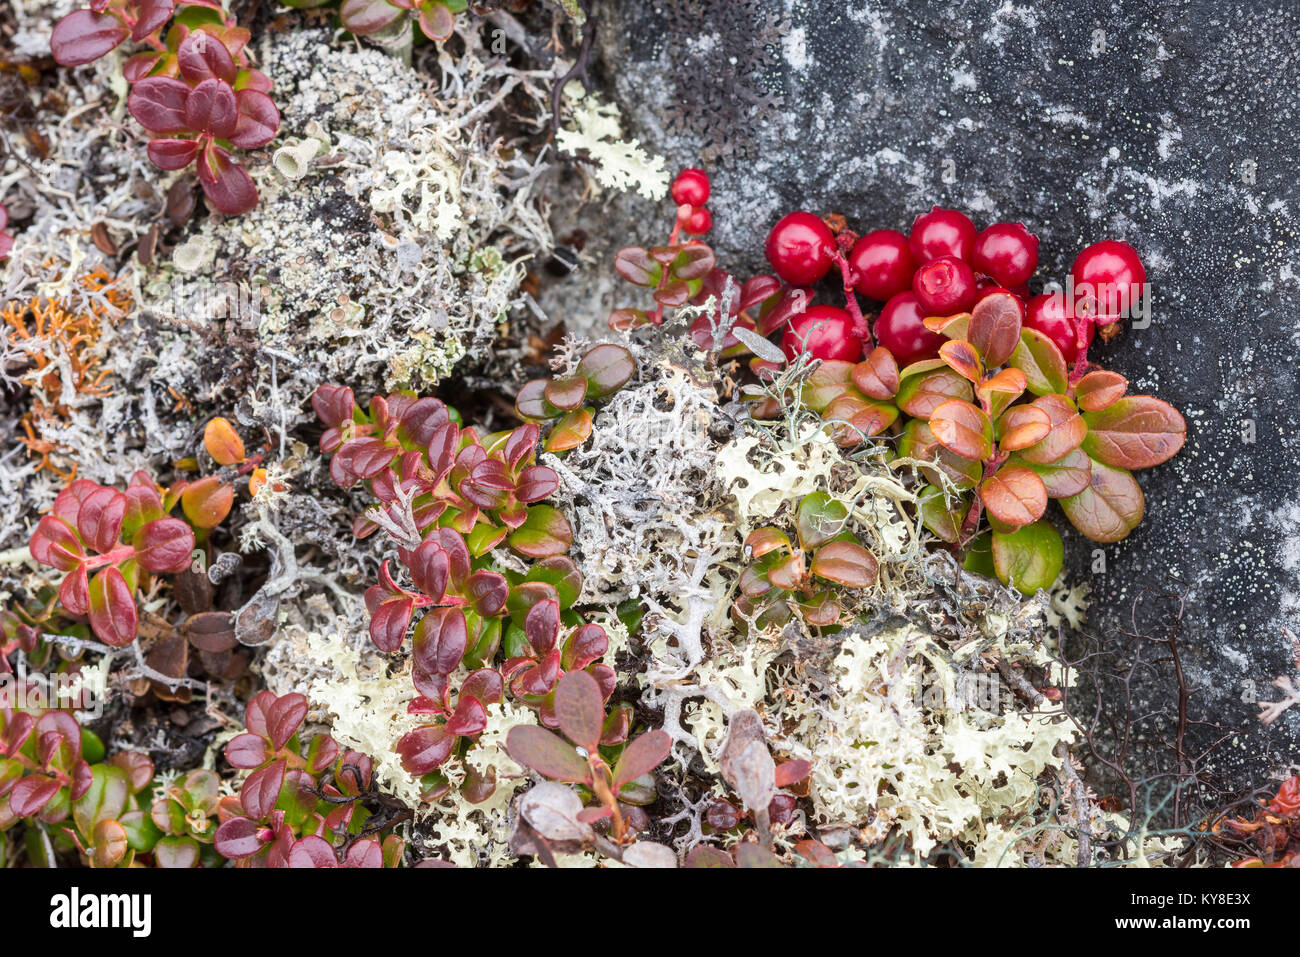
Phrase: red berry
(691, 188)
(944, 286)
(942, 232)
(699, 222)
(901, 330)
(1048, 314)
(824, 331)
(800, 248)
(882, 262)
(1106, 279)
(1008, 252)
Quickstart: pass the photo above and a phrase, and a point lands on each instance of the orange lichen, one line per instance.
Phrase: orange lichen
(48, 332)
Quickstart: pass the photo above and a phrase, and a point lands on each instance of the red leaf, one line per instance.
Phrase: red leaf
(152, 15)
(389, 621)
(792, 772)
(333, 404)
(225, 182)
(488, 592)
(470, 717)
(312, 851)
(202, 57)
(262, 789)
(54, 543)
(364, 17)
(430, 569)
(583, 646)
(31, 794)
(164, 545)
(258, 121)
(580, 709)
(485, 685)
(247, 751)
(158, 103)
(74, 591)
(546, 753)
(172, 154)
(237, 838)
(424, 749)
(537, 482)
(641, 756)
(284, 717)
(84, 35)
(440, 641)
(99, 521)
(367, 853)
(112, 608)
(542, 625)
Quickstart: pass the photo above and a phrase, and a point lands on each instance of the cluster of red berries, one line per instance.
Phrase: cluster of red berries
(690, 191)
(942, 268)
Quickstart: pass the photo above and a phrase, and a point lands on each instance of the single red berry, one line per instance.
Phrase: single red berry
(944, 286)
(942, 232)
(1108, 277)
(882, 262)
(1048, 314)
(699, 222)
(901, 330)
(801, 249)
(691, 188)
(1008, 252)
(824, 331)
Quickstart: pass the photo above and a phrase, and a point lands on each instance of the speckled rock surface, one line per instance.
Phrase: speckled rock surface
(1168, 125)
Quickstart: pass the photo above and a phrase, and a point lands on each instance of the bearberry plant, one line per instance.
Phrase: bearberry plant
(448, 496)
(193, 87)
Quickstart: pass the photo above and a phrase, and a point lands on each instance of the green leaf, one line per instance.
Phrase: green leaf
(1029, 558)
(820, 518)
(561, 573)
(1136, 432)
(1041, 361)
(1065, 477)
(607, 368)
(545, 532)
(1109, 508)
(939, 517)
(104, 800)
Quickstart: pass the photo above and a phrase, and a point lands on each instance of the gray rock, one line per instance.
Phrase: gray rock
(1170, 126)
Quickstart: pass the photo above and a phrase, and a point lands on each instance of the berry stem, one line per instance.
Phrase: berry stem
(860, 327)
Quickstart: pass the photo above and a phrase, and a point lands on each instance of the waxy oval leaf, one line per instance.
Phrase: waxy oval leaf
(546, 753)
(1109, 508)
(1022, 426)
(113, 615)
(963, 429)
(164, 545)
(545, 532)
(1066, 476)
(845, 563)
(1136, 432)
(920, 395)
(580, 709)
(1014, 495)
(962, 359)
(607, 368)
(1029, 558)
(1041, 361)
(876, 376)
(994, 328)
(1068, 431)
(425, 749)
(84, 36)
(1099, 389)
